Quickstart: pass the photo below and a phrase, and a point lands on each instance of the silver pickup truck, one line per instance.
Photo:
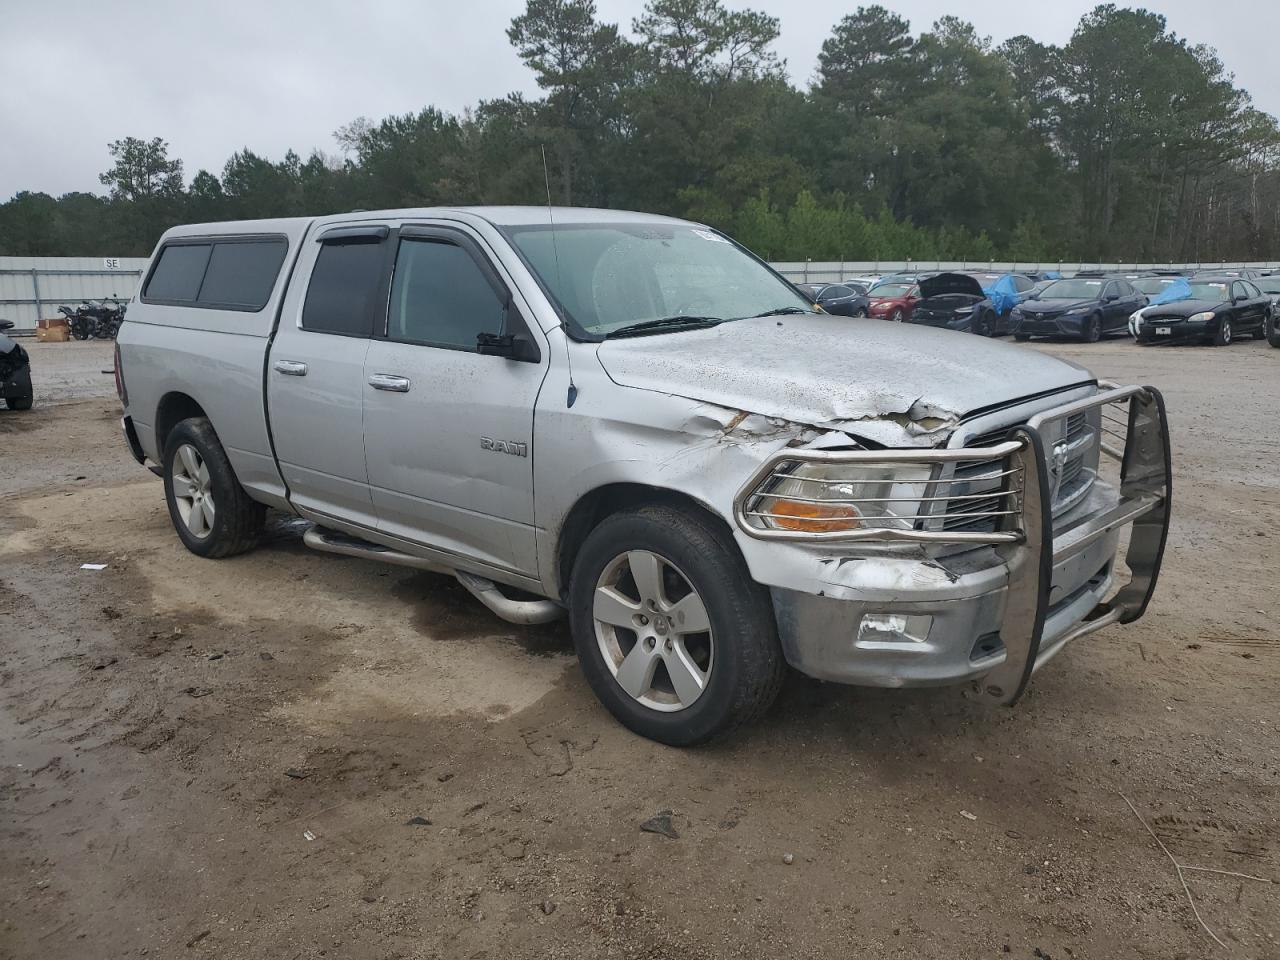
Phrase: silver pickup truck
(633, 421)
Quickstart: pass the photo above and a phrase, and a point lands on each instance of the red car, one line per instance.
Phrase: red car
(893, 299)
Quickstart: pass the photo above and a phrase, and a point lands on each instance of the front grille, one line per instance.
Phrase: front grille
(976, 478)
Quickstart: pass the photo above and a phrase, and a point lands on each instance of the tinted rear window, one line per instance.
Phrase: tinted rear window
(230, 274)
(242, 274)
(344, 285)
(179, 272)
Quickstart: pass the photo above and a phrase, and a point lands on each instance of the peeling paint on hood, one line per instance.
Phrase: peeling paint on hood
(895, 384)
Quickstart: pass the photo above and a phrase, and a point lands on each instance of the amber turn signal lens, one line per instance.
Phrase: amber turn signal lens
(813, 517)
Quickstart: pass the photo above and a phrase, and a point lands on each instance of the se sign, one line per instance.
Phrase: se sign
(111, 263)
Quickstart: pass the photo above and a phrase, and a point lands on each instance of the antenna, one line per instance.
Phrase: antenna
(555, 249)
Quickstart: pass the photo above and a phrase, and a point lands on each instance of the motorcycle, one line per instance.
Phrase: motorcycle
(100, 319)
(79, 322)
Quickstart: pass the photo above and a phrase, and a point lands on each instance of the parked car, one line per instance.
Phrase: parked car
(1220, 309)
(865, 282)
(893, 299)
(839, 298)
(1002, 306)
(1269, 284)
(957, 301)
(15, 371)
(1151, 287)
(1085, 308)
(631, 420)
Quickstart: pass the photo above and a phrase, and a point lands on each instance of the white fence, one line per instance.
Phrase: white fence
(827, 271)
(32, 288)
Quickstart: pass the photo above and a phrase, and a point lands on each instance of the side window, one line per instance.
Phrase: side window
(1252, 289)
(344, 287)
(1110, 289)
(178, 273)
(837, 292)
(242, 274)
(1022, 284)
(1238, 290)
(441, 297)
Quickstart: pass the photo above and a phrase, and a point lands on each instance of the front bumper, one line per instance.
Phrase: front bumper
(948, 321)
(1179, 329)
(1004, 608)
(1069, 325)
(17, 384)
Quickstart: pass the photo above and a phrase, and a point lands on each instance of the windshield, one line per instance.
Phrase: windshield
(1152, 285)
(613, 275)
(1208, 291)
(1072, 290)
(890, 289)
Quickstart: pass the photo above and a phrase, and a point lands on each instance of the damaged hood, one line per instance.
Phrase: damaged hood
(894, 384)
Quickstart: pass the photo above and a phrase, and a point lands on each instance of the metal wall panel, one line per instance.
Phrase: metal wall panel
(32, 288)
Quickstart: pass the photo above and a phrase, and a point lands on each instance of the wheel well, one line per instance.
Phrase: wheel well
(173, 409)
(602, 502)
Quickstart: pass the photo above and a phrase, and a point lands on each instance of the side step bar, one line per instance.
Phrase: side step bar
(484, 590)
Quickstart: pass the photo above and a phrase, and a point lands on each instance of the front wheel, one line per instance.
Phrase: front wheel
(1092, 330)
(1273, 334)
(984, 325)
(1223, 337)
(895, 316)
(211, 513)
(675, 638)
(1022, 337)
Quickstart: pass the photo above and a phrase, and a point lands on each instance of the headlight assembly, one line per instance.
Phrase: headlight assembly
(1201, 317)
(827, 498)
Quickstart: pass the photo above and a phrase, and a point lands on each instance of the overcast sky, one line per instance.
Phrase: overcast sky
(213, 77)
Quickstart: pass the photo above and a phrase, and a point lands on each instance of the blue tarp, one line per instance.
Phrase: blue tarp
(1052, 275)
(1003, 294)
(1180, 289)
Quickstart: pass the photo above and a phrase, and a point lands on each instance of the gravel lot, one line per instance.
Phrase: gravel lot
(228, 758)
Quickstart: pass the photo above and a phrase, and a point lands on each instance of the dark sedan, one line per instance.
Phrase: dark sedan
(1219, 310)
(1086, 309)
(842, 299)
(958, 301)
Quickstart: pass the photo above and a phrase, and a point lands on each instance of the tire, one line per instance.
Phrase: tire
(23, 402)
(192, 451)
(1092, 330)
(738, 659)
(858, 314)
(1223, 336)
(1261, 332)
(1022, 337)
(895, 316)
(1273, 334)
(986, 325)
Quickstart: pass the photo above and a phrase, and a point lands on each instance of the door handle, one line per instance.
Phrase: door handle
(386, 381)
(290, 368)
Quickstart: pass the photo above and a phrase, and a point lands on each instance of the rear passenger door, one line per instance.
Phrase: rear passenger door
(315, 372)
(449, 430)
(1254, 308)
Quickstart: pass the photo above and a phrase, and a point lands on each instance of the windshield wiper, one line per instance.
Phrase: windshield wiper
(680, 320)
(778, 312)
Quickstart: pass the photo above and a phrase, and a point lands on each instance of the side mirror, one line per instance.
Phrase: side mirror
(506, 345)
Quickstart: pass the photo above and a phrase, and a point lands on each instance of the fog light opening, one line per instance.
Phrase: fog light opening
(894, 628)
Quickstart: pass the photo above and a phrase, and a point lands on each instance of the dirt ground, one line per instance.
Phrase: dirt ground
(228, 758)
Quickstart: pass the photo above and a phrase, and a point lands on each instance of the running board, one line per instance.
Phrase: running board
(486, 591)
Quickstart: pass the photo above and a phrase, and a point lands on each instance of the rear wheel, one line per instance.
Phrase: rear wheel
(675, 638)
(1224, 334)
(1261, 332)
(211, 513)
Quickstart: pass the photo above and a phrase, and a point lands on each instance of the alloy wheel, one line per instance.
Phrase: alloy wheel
(653, 631)
(191, 490)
